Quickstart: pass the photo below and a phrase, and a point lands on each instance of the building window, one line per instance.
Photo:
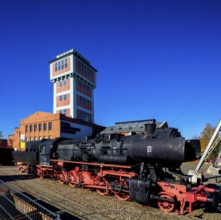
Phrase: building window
(35, 127)
(65, 97)
(63, 111)
(39, 127)
(45, 126)
(49, 126)
(84, 116)
(30, 128)
(26, 128)
(64, 82)
(85, 101)
(62, 97)
(65, 62)
(61, 64)
(40, 138)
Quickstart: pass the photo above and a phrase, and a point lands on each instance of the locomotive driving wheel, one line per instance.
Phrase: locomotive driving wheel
(103, 192)
(103, 182)
(121, 193)
(73, 180)
(61, 178)
(166, 206)
(40, 173)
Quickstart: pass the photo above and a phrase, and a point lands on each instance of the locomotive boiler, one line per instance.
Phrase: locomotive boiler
(143, 166)
(164, 146)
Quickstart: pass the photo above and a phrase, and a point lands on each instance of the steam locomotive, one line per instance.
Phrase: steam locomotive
(143, 166)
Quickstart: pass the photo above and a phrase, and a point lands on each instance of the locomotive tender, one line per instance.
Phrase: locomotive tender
(143, 166)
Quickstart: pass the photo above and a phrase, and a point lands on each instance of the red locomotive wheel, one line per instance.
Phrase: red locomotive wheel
(72, 176)
(166, 206)
(122, 195)
(21, 169)
(103, 182)
(61, 178)
(103, 192)
(40, 173)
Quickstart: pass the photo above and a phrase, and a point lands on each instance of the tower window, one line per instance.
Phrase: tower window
(64, 82)
(65, 63)
(61, 64)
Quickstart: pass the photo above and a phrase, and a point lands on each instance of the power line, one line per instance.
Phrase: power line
(177, 95)
(191, 102)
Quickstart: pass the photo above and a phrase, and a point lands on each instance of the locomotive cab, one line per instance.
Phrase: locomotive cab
(47, 151)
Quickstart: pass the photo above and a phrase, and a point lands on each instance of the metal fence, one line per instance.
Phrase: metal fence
(16, 205)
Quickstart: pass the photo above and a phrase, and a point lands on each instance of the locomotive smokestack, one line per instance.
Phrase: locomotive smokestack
(150, 128)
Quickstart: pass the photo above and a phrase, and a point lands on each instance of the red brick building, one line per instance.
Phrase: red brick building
(43, 125)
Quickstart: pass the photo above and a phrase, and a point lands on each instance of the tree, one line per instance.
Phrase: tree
(206, 135)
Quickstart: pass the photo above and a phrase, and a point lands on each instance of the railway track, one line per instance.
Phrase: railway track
(82, 204)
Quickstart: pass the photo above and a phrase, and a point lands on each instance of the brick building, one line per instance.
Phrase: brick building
(74, 81)
(14, 139)
(43, 125)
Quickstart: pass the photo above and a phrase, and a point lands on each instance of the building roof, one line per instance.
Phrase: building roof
(132, 126)
(39, 116)
(74, 52)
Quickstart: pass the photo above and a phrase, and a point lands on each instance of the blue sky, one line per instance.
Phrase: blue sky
(155, 58)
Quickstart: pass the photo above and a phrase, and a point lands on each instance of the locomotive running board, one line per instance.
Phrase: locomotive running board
(94, 164)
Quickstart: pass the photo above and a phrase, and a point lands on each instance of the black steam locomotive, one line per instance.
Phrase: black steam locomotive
(143, 166)
(163, 146)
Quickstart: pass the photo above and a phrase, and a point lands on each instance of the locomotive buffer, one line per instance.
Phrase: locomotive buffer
(213, 144)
